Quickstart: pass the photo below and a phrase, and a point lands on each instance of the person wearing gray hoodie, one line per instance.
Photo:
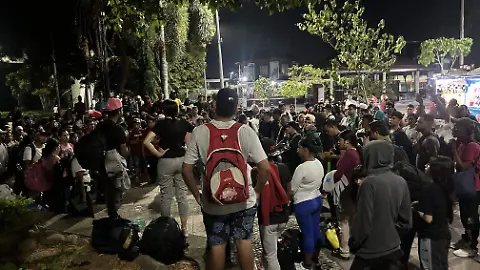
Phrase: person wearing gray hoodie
(383, 212)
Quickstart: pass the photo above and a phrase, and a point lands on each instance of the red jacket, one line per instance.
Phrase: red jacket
(273, 196)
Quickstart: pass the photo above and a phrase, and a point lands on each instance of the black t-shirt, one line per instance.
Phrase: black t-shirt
(171, 133)
(266, 129)
(434, 203)
(291, 157)
(114, 134)
(285, 178)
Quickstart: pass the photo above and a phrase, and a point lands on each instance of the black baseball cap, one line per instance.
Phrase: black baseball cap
(227, 102)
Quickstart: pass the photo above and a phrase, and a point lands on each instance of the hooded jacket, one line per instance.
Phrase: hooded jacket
(383, 205)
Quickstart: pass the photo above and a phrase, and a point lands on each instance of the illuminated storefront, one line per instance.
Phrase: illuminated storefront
(465, 89)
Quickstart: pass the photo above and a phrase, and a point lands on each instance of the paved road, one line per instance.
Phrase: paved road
(141, 202)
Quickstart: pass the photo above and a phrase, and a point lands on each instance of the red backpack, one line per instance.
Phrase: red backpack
(226, 172)
(36, 178)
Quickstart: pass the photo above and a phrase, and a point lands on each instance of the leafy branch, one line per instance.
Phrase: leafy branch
(437, 50)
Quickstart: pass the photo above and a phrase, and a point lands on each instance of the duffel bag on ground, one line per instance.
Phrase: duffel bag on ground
(116, 236)
(288, 249)
(163, 240)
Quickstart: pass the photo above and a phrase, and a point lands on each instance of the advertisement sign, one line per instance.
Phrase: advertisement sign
(472, 97)
(452, 88)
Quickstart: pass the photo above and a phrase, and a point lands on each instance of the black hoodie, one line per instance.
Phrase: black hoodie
(383, 207)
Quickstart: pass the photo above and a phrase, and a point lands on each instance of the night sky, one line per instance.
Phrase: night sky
(251, 32)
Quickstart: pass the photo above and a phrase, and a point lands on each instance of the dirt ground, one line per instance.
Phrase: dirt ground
(83, 257)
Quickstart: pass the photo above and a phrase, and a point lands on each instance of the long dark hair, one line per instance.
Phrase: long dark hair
(441, 170)
(50, 147)
(170, 108)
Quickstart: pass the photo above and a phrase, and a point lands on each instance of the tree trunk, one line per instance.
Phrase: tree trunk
(42, 101)
(106, 70)
(164, 62)
(124, 66)
(86, 53)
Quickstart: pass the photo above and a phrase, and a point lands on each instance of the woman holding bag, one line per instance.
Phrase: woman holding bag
(466, 153)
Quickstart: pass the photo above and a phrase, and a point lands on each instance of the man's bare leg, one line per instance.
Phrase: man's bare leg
(216, 257)
(245, 254)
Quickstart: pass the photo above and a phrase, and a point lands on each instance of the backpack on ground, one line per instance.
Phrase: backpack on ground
(36, 179)
(116, 236)
(416, 179)
(226, 168)
(163, 240)
(288, 249)
(90, 151)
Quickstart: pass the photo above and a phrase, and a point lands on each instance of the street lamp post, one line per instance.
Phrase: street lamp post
(219, 40)
(462, 28)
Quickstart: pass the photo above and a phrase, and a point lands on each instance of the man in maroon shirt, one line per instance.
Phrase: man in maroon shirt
(349, 159)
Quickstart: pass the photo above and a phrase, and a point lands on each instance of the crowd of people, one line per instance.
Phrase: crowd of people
(243, 163)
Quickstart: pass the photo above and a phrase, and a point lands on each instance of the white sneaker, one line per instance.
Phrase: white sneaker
(299, 266)
(465, 253)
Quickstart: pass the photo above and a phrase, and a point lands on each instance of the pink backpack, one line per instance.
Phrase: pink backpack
(36, 178)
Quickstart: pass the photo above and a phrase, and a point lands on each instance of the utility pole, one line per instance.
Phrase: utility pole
(54, 59)
(219, 40)
(240, 71)
(462, 28)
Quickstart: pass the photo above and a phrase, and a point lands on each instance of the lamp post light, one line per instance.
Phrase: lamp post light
(220, 58)
(462, 28)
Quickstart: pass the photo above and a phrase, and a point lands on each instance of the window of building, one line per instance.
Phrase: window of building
(264, 71)
(284, 70)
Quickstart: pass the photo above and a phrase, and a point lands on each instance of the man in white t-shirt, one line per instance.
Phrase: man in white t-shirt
(31, 156)
(227, 221)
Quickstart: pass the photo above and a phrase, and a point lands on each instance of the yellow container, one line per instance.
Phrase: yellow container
(333, 238)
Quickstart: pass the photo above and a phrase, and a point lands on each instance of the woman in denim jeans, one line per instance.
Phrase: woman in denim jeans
(172, 133)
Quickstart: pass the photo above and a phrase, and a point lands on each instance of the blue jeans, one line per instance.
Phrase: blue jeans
(307, 214)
